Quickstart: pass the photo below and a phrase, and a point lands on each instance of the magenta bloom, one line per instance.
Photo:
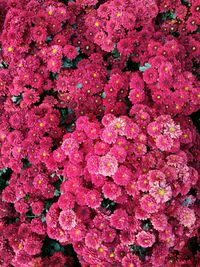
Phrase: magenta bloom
(93, 164)
(108, 165)
(122, 176)
(131, 261)
(145, 239)
(119, 219)
(69, 145)
(164, 142)
(70, 51)
(93, 199)
(148, 204)
(67, 219)
(159, 221)
(187, 217)
(161, 192)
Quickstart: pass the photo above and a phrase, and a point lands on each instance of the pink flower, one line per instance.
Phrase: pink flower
(132, 130)
(111, 190)
(92, 239)
(154, 129)
(161, 192)
(69, 145)
(156, 176)
(108, 165)
(101, 148)
(67, 219)
(120, 252)
(70, 51)
(164, 142)
(33, 245)
(78, 232)
(66, 201)
(37, 207)
(119, 153)
(136, 96)
(145, 239)
(125, 46)
(92, 130)
(59, 155)
(159, 221)
(40, 182)
(93, 199)
(148, 204)
(72, 170)
(108, 234)
(143, 183)
(131, 261)
(172, 129)
(118, 124)
(122, 176)
(119, 219)
(109, 135)
(150, 76)
(187, 217)
(93, 164)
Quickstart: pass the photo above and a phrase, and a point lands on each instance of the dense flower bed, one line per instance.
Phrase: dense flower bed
(99, 155)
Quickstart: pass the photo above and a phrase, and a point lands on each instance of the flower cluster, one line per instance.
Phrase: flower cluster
(99, 155)
(122, 192)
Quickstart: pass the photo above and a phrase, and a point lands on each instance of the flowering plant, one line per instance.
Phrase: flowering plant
(99, 153)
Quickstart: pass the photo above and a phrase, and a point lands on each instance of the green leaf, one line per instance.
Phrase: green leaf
(57, 247)
(57, 193)
(145, 67)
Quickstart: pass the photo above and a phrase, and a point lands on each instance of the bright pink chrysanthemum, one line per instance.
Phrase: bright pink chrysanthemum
(159, 221)
(111, 190)
(122, 176)
(164, 142)
(93, 199)
(148, 204)
(67, 219)
(145, 239)
(93, 164)
(108, 165)
(119, 219)
(187, 217)
(161, 192)
(69, 145)
(131, 261)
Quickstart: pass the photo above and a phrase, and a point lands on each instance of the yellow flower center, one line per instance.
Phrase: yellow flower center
(172, 129)
(118, 125)
(100, 249)
(10, 49)
(54, 51)
(161, 192)
(20, 246)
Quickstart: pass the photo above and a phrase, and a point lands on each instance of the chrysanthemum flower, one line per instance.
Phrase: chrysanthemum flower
(108, 165)
(148, 204)
(145, 239)
(161, 192)
(67, 219)
(119, 219)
